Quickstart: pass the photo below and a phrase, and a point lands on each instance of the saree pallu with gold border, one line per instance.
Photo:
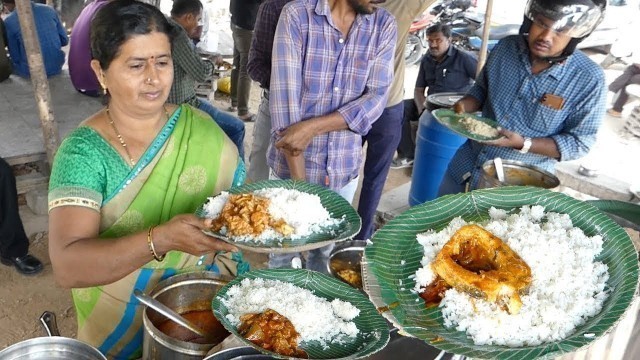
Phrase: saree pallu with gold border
(189, 160)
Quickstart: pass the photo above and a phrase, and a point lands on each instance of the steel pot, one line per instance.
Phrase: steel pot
(52, 347)
(347, 255)
(182, 293)
(516, 173)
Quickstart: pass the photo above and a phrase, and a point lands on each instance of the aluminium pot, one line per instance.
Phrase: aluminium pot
(182, 293)
(52, 347)
(516, 173)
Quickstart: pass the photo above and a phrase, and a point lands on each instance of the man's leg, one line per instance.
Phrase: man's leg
(406, 148)
(242, 43)
(317, 259)
(231, 125)
(14, 243)
(233, 92)
(258, 168)
(623, 97)
(382, 142)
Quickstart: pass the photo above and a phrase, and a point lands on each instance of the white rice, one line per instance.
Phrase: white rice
(314, 318)
(302, 211)
(478, 127)
(568, 286)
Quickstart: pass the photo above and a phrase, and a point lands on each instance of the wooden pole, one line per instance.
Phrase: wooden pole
(39, 81)
(482, 58)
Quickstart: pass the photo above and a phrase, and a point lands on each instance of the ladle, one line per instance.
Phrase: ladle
(497, 162)
(168, 312)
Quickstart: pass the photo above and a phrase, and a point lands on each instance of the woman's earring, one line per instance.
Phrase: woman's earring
(104, 90)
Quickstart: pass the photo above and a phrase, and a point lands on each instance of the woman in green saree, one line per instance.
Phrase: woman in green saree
(125, 183)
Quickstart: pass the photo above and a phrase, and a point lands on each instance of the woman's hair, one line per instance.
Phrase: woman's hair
(118, 21)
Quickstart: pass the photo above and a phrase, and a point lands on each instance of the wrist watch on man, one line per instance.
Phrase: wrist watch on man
(526, 145)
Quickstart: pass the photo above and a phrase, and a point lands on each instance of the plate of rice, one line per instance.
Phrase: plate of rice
(468, 125)
(333, 320)
(583, 267)
(280, 216)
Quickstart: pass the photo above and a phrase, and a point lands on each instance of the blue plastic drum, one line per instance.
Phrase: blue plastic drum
(435, 146)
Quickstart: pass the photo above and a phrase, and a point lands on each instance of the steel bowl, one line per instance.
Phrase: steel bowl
(345, 262)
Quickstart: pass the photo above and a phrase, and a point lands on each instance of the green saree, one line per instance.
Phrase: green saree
(189, 160)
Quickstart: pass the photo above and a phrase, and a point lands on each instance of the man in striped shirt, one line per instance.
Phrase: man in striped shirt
(332, 67)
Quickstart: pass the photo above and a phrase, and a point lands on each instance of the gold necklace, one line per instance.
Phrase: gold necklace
(124, 144)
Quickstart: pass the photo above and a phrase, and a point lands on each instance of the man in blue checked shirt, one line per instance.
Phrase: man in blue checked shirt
(548, 99)
(332, 67)
(51, 34)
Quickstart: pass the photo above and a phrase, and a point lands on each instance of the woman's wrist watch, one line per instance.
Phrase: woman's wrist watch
(526, 145)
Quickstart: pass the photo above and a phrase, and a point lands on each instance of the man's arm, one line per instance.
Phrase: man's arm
(362, 112)
(188, 59)
(14, 44)
(259, 65)
(419, 99)
(62, 32)
(286, 81)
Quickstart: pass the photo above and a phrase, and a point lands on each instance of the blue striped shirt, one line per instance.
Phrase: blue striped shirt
(51, 34)
(317, 71)
(512, 95)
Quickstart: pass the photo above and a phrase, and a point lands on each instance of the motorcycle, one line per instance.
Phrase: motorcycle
(417, 40)
(449, 12)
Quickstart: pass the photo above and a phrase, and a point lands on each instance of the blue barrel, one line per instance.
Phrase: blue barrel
(435, 146)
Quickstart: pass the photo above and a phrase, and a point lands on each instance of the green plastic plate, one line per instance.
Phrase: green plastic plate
(396, 241)
(451, 120)
(374, 330)
(337, 206)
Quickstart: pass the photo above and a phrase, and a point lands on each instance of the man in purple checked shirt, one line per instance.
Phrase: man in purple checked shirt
(332, 68)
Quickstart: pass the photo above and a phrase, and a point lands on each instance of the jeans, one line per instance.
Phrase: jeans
(240, 80)
(231, 125)
(13, 239)
(382, 139)
(316, 259)
(258, 168)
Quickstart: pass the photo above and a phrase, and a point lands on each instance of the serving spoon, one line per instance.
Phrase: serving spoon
(168, 312)
(497, 162)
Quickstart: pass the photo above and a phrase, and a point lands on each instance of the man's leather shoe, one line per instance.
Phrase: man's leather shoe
(26, 265)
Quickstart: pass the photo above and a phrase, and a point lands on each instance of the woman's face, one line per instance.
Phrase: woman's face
(139, 78)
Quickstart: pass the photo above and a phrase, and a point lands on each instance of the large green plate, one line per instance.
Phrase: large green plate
(374, 331)
(396, 241)
(337, 206)
(451, 120)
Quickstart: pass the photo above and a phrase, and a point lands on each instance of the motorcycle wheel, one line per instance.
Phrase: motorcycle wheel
(413, 51)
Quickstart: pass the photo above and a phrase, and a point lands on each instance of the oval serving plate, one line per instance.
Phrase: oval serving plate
(335, 204)
(374, 331)
(451, 120)
(397, 240)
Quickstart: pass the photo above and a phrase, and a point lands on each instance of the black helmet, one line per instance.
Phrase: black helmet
(574, 18)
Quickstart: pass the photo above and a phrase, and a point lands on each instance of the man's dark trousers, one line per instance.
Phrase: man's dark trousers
(13, 239)
(382, 141)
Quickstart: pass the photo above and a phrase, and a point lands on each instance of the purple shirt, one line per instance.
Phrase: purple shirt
(82, 76)
(259, 65)
(317, 71)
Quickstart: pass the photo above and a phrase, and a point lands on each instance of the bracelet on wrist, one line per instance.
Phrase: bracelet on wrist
(151, 247)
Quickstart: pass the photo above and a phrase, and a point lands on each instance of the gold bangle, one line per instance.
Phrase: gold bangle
(151, 247)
